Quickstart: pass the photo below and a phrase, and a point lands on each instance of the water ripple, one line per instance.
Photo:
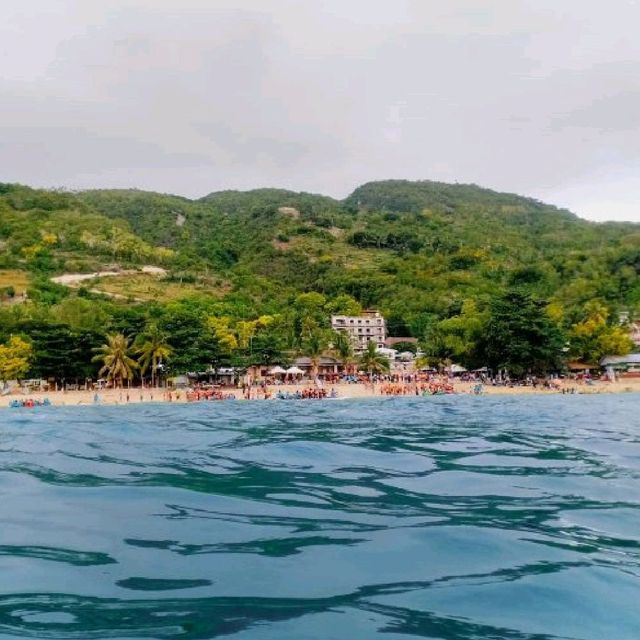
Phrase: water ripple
(459, 518)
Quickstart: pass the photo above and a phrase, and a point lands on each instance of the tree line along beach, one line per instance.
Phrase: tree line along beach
(461, 278)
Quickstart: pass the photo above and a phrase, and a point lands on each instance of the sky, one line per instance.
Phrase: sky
(538, 97)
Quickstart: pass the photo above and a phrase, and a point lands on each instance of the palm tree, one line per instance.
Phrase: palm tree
(372, 361)
(153, 349)
(315, 345)
(116, 361)
(343, 348)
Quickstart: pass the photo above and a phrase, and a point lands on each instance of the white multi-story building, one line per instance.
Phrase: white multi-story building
(369, 327)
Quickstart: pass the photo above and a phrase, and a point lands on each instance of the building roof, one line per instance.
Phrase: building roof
(366, 313)
(631, 358)
(579, 366)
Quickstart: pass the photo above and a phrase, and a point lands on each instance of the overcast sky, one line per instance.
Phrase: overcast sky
(538, 97)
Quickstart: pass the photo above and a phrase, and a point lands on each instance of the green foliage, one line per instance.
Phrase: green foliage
(409, 347)
(14, 359)
(593, 337)
(519, 336)
(153, 349)
(115, 356)
(433, 258)
(194, 345)
(316, 342)
(372, 361)
(63, 354)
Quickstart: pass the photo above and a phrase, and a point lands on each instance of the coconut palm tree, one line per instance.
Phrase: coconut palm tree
(372, 361)
(343, 349)
(315, 345)
(115, 357)
(152, 349)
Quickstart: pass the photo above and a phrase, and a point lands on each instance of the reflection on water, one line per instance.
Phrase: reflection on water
(457, 518)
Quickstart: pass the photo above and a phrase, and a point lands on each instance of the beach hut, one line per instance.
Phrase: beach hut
(580, 367)
(227, 376)
(625, 366)
(327, 365)
(180, 382)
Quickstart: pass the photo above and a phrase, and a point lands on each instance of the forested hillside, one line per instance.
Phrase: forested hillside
(434, 258)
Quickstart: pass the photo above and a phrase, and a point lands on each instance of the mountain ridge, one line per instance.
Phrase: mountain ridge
(415, 248)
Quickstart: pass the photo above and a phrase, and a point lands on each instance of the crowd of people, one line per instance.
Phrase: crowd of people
(197, 394)
(346, 386)
(29, 403)
(311, 393)
(418, 388)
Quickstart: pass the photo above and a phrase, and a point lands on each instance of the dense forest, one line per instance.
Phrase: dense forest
(248, 277)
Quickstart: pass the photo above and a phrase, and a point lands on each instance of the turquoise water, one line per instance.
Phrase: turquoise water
(444, 517)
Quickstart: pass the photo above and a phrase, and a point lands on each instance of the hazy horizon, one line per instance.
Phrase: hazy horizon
(532, 98)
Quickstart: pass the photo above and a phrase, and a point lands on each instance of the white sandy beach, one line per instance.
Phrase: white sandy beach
(138, 395)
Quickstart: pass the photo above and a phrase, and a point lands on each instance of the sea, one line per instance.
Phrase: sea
(449, 517)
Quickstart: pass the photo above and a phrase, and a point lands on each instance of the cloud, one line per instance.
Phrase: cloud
(197, 95)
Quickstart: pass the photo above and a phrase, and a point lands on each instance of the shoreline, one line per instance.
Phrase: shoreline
(345, 391)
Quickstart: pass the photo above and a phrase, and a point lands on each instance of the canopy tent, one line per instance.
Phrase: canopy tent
(456, 368)
(294, 371)
(277, 370)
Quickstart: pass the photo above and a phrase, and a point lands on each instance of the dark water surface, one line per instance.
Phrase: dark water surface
(458, 518)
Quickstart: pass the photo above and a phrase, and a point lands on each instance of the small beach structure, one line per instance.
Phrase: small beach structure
(180, 382)
(580, 367)
(626, 366)
(456, 369)
(327, 365)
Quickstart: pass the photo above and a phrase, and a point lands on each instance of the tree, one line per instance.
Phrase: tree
(403, 346)
(461, 333)
(343, 305)
(372, 361)
(520, 336)
(15, 357)
(60, 352)
(115, 356)
(343, 348)
(82, 315)
(194, 343)
(152, 348)
(437, 351)
(593, 338)
(314, 346)
(223, 332)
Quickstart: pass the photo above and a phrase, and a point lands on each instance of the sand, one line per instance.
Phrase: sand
(138, 396)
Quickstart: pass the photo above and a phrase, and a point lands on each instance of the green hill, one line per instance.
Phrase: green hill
(419, 251)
